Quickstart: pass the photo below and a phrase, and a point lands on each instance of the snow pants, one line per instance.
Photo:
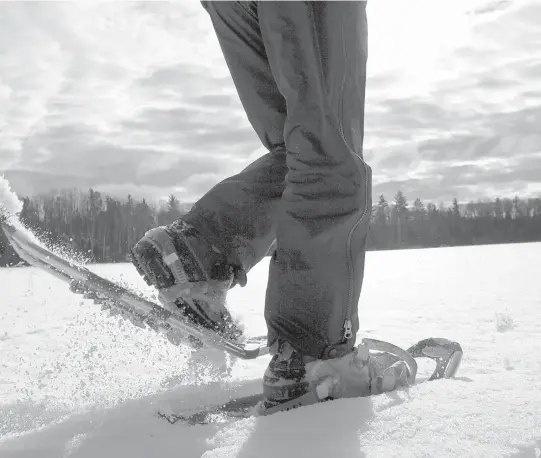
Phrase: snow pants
(300, 72)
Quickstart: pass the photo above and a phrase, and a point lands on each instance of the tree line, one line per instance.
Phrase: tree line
(103, 229)
(398, 225)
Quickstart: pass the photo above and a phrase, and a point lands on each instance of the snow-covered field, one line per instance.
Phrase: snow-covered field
(76, 383)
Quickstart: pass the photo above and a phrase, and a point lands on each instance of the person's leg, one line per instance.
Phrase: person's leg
(231, 228)
(238, 215)
(317, 52)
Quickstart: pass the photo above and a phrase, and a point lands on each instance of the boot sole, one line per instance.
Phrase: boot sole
(156, 260)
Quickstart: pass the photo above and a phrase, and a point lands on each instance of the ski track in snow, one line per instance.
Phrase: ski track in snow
(74, 383)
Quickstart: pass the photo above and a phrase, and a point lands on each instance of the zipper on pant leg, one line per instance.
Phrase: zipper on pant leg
(348, 325)
(348, 328)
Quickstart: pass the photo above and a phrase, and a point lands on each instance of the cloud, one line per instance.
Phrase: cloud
(136, 98)
(506, 177)
(480, 106)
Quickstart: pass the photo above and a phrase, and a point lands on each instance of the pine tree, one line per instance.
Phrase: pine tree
(456, 208)
(400, 203)
(381, 214)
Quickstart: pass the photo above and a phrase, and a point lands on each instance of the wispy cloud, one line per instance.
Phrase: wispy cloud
(136, 97)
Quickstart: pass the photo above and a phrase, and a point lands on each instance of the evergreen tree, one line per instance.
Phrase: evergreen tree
(400, 203)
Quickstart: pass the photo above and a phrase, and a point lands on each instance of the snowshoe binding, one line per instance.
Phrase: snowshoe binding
(190, 274)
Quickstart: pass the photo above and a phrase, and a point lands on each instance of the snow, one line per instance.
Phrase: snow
(76, 383)
(9, 203)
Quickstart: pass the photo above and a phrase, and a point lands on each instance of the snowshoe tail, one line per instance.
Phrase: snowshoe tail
(446, 353)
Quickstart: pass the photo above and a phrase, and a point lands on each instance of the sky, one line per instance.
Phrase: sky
(135, 97)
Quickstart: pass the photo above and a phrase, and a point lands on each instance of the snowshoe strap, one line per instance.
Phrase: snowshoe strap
(313, 396)
(380, 345)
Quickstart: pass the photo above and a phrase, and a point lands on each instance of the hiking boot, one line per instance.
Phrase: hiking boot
(292, 380)
(190, 274)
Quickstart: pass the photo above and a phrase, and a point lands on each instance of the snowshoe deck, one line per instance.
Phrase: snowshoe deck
(447, 355)
(129, 305)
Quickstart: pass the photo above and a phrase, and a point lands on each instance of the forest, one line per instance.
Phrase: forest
(101, 228)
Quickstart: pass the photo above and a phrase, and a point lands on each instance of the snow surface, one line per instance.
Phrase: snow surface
(75, 383)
